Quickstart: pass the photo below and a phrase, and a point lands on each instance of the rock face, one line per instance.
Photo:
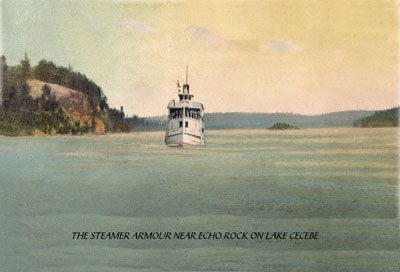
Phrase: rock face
(74, 102)
(100, 126)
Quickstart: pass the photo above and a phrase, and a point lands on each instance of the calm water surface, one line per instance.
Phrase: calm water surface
(339, 182)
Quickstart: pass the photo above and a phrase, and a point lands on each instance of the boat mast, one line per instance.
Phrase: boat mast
(186, 74)
(186, 85)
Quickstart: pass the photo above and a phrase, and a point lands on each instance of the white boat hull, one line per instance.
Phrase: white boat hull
(183, 139)
(176, 135)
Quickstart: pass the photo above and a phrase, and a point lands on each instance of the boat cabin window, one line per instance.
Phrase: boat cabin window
(193, 113)
(175, 113)
(172, 114)
(188, 112)
(185, 97)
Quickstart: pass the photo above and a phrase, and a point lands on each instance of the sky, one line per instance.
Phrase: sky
(307, 57)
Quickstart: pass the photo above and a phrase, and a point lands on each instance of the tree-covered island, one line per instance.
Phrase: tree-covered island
(282, 126)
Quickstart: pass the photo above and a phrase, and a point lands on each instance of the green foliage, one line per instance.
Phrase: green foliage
(146, 123)
(282, 126)
(21, 114)
(47, 71)
(118, 121)
(14, 87)
(26, 70)
(386, 118)
(43, 113)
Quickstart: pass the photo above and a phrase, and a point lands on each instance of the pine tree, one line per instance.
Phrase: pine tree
(4, 79)
(26, 68)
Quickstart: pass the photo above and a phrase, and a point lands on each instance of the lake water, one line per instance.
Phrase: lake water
(341, 183)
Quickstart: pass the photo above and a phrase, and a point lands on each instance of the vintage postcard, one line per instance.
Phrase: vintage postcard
(220, 135)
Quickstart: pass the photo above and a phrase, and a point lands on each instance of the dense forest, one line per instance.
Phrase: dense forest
(147, 123)
(385, 118)
(22, 114)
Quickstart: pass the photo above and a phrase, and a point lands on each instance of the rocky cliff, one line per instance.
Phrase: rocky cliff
(74, 102)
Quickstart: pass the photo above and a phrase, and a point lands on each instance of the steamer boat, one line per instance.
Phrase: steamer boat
(185, 125)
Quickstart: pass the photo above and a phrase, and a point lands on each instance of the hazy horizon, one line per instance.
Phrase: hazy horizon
(306, 57)
(293, 113)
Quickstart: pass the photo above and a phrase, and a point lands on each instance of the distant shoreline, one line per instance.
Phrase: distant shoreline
(245, 120)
